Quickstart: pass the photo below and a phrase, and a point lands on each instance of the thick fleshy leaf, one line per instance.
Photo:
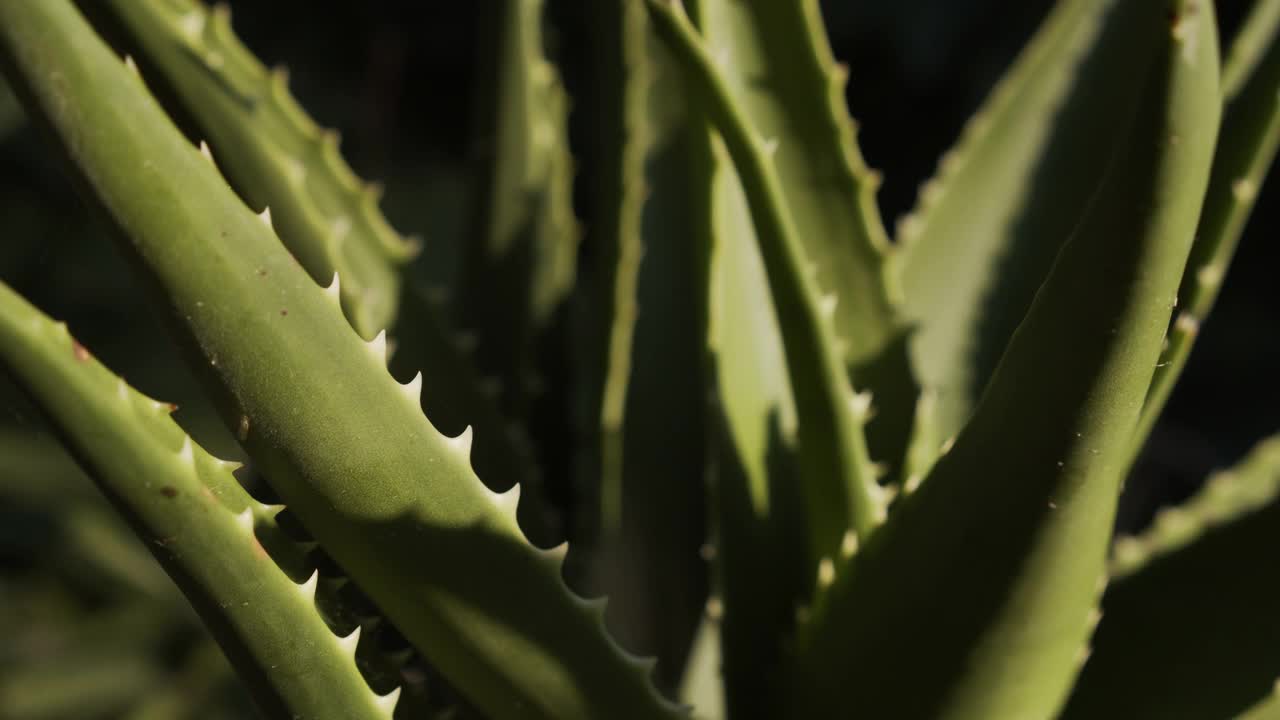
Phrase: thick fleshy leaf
(394, 502)
(976, 598)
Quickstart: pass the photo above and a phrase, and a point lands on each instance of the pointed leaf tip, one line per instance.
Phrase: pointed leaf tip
(378, 346)
(350, 642)
(308, 588)
(413, 388)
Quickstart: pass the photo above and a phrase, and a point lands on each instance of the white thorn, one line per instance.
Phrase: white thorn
(861, 404)
(849, 544)
(826, 573)
(1209, 275)
(508, 501)
(947, 445)
(912, 483)
(378, 346)
(350, 642)
(558, 551)
(1095, 617)
(827, 305)
(132, 66)
(244, 519)
(413, 389)
(1187, 324)
(308, 588)
(334, 290)
(707, 552)
(1244, 190)
(187, 454)
(205, 152)
(265, 217)
(715, 608)
(192, 24)
(122, 390)
(770, 146)
(461, 443)
(387, 703)
(229, 465)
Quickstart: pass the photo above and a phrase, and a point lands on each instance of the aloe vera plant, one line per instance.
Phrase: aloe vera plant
(818, 470)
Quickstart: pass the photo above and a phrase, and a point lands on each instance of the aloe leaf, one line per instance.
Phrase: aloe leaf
(1268, 709)
(840, 482)
(279, 159)
(648, 405)
(1005, 199)
(1189, 628)
(394, 502)
(1253, 42)
(275, 154)
(1246, 150)
(194, 517)
(1011, 526)
(527, 237)
(778, 66)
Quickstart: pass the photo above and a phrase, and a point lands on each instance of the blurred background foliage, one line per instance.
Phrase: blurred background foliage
(92, 628)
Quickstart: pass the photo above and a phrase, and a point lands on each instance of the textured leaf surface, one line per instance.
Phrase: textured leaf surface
(987, 228)
(1012, 525)
(1190, 629)
(777, 64)
(194, 517)
(394, 502)
(1246, 151)
(274, 153)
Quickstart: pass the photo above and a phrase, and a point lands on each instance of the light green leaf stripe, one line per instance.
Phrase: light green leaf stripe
(840, 482)
(394, 503)
(988, 226)
(1246, 150)
(195, 518)
(1012, 525)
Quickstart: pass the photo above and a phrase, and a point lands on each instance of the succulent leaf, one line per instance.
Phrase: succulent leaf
(274, 154)
(840, 481)
(526, 239)
(1014, 534)
(988, 226)
(193, 516)
(392, 500)
(647, 318)
(1246, 150)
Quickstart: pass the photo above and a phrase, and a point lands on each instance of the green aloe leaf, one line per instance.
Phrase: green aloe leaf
(1189, 627)
(194, 517)
(520, 265)
(1012, 525)
(393, 502)
(649, 406)
(275, 154)
(1246, 150)
(1005, 199)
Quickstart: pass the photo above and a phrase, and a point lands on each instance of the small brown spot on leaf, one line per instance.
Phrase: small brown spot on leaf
(284, 312)
(262, 272)
(168, 491)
